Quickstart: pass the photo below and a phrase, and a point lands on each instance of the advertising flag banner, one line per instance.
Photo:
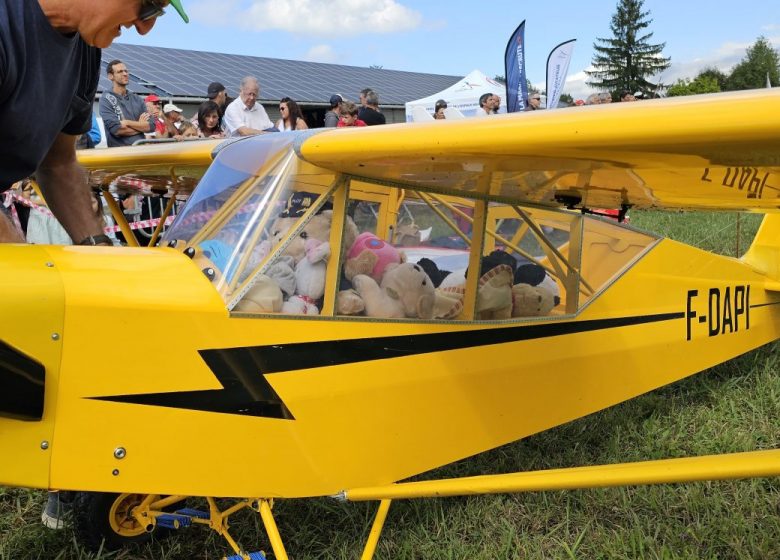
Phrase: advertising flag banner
(514, 61)
(557, 68)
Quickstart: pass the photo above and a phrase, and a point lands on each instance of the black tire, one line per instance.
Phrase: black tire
(104, 519)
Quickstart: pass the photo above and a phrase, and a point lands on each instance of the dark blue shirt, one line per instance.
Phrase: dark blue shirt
(47, 84)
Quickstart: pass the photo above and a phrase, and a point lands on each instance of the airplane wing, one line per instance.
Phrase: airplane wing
(149, 168)
(716, 152)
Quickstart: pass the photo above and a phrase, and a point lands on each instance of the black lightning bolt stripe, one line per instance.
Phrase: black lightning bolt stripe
(246, 391)
(764, 304)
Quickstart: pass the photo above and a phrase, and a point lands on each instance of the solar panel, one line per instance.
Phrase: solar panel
(183, 73)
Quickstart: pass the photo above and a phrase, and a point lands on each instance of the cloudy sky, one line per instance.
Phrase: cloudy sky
(456, 37)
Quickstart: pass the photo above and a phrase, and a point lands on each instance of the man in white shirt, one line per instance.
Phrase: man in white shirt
(245, 116)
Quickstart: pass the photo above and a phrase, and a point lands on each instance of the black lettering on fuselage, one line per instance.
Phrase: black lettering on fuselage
(714, 313)
(726, 307)
(727, 312)
(689, 312)
(739, 305)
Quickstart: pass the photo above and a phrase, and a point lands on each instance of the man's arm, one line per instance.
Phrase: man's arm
(143, 124)
(248, 131)
(63, 184)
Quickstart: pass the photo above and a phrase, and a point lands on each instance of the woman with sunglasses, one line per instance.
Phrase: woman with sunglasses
(292, 117)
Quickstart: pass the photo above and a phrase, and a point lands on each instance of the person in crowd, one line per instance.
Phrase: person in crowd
(244, 116)
(124, 113)
(209, 122)
(626, 97)
(187, 130)
(495, 103)
(485, 105)
(154, 108)
(438, 110)
(362, 96)
(349, 115)
(370, 113)
(292, 116)
(218, 94)
(334, 114)
(605, 97)
(173, 119)
(92, 138)
(578, 103)
(593, 99)
(534, 102)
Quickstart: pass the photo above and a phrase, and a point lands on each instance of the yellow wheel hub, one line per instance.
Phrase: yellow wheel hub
(121, 515)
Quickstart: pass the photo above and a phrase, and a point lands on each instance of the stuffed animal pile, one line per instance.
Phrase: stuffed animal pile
(377, 281)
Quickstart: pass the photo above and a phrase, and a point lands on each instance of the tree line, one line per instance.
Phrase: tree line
(628, 61)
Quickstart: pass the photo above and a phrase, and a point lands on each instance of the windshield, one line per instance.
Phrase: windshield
(253, 195)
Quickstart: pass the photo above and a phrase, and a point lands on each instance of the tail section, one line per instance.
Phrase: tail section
(764, 253)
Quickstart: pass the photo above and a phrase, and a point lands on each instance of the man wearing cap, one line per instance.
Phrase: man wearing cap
(123, 112)
(332, 117)
(218, 94)
(154, 108)
(49, 66)
(245, 116)
(173, 118)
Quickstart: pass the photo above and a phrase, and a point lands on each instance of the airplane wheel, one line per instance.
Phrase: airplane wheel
(105, 519)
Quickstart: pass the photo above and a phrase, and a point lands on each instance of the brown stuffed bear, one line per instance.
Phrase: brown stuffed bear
(405, 291)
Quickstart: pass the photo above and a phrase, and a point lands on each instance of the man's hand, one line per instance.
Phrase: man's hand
(63, 184)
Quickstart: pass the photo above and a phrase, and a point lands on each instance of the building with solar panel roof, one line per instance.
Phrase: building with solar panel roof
(182, 77)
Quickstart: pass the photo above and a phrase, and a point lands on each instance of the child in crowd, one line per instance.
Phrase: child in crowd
(187, 130)
(349, 115)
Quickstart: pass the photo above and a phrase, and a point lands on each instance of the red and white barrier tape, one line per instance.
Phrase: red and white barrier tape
(11, 197)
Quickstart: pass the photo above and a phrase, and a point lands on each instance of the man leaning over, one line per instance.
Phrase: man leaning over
(50, 59)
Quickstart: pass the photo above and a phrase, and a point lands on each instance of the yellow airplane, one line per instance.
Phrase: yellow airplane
(317, 331)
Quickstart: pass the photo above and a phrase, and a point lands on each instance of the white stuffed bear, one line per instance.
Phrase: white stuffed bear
(310, 273)
(405, 291)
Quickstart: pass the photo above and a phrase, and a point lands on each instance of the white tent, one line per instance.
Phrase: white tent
(463, 96)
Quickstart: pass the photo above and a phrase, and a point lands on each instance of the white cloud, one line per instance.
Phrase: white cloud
(321, 53)
(771, 27)
(326, 18)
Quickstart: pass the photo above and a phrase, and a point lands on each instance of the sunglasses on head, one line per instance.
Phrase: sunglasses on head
(150, 9)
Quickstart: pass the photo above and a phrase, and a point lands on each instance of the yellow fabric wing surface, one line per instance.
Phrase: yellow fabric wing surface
(719, 151)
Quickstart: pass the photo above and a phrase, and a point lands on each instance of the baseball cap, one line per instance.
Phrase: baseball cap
(639, 94)
(214, 89)
(151, 98)
(171, 107)
(177, 6)
(335, 99)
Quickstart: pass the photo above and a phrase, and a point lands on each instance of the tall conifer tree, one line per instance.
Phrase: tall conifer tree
(627, 60)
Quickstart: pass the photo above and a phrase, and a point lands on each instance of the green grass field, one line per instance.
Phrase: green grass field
(732, 407)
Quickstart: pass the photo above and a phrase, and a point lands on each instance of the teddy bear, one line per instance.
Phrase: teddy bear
(531, 301)
(535, 275)
(370, 256)
(317, 228)
(310, 274)
(405, 291)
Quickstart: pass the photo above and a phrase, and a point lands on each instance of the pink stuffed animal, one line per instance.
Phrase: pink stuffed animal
(370, 255)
